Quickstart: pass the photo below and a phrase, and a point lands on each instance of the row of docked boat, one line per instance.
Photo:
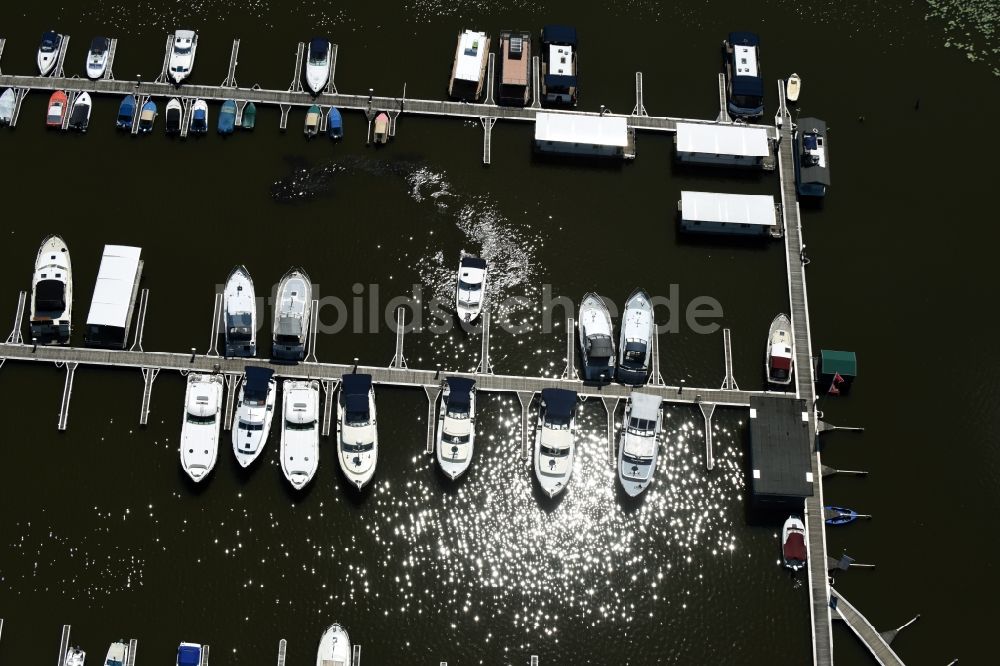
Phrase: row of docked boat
(117, 655)
(59, 110)
(558, 76)
(632, 364)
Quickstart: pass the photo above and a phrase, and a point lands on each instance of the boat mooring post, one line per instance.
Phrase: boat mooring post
(63, 645)
(890, 636)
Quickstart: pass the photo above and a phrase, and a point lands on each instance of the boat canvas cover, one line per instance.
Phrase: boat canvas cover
(715, 139)
(354, 384)
(747, 79)
(559, 34)
(318, 48)
(471, 55)
(460, 393)
(781, 362)
(50, 40)
(473, 262)
(645, 406)
(576, 128)
(559, 404)
(757, 209)
(99, 45)
(50, 296)
(356, 389)
(116, 280)
(795, 547)
(188, 655)
(257, 382)
(127, 107)
(808, 129)
(80, 114)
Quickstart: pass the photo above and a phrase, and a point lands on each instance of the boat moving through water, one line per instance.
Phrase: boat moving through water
(779, 361)
(52, 293)
(597, 346)
(239, 306)
(640, 442)
(299, 431)
(471, 290)
(635, 346)
(555, 445)
(254, 411)
(456, 426)
(793, 543)
(200, 428)
(357, 434)
(291, 317)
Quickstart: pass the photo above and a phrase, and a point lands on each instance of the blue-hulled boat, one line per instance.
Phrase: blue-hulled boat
(836, 515)
(199, 117)
(227, 117)
(189, 654)
(147, 117)
(334, 124)
(126, 113)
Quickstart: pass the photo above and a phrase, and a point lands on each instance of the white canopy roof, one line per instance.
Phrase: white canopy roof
(732, 208)
(471, 54)
(115, 282)
(722, 139)
(579, 128)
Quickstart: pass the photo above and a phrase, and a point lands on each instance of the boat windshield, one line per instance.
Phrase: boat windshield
(359, 447)
(48, 44)
(460, 415)
(290, 425)
(553, 451)
(240, 333)
(455, 439)
(469, 286)
(746, 101)
(182, 49)
(254, 427)
(634, 460)
(641, 427)
(287, 339)
(195, 418)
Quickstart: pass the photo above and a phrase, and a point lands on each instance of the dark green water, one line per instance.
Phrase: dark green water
(102, 531)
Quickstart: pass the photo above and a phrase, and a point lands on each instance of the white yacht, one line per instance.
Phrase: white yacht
(117, 654)
(79, 115)
(253, 414)
(597, 343)
(52, 293)
(48, 52)
(334, 647)
(636, 344)
(97, 57)
(639, 443)
(780, 351)
(7, 101)
(357, 434)
(318, 64)
(471, 290)
(456, 426)
(299, 431)
(182, 54)
(554, 440)
(239, 305)
(75, 657)
(200, 428)
(291, 317)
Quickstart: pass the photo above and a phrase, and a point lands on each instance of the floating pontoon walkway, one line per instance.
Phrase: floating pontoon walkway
(872, 638)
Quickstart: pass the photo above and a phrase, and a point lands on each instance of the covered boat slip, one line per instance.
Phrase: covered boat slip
(716, 213)
(780, 452)
(579, 134)
(721, 144)
(114, 297)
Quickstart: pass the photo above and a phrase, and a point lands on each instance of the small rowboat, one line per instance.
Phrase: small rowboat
(382, 128)
(793, 88)
(836, 515)
(249, 116)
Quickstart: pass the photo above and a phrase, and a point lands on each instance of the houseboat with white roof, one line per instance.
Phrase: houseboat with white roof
(469, 70)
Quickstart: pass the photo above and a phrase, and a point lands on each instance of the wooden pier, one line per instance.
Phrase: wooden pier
(67, 394)
(148, 376)
(874, 640)
(63, 645)
(610, 407)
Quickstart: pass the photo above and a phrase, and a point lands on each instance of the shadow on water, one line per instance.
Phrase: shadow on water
(716, 240)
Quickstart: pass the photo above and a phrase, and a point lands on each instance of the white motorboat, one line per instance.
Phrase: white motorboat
(635, 346)
(239, 305)
(793, 87)
(780, 353)
(299, 431)
(471, 290)
(75, 657)
(7, 102)
(199, 117)
(793, 543)
(555, 447)
(79, 116)
(334, 647)
(52, 293)
(189, 654)
(597, 344)
(254, 411)
(48, 52)
(117, 654)
(97, 57)
(357, 434)
(318, 64)
(174, 117)
(182, 55)
(456, 426)
(291, 316)
(639, 443)
(200, 428)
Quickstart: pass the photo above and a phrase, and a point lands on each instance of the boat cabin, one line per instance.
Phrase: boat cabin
(739, 214)
(744, 82)
(812, 159)
(559, 59)
(722, 145)
(515, 68)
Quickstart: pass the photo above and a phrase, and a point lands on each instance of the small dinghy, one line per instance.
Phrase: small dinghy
(334, 124)
(838, 515)
(312, 121)
(227, 117)
(7, 101)
(126, 113)
(249, 116)
(793, 543)
(79, 118)
(793, 88)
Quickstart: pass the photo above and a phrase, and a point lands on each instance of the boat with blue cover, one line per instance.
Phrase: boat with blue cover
(357, 434)
(555, 444)
(189, 654)
(838, 515)
(126, 113)
(227, 117)
(147, 117)
(456, 426)
(199, 117)
(334, 124)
